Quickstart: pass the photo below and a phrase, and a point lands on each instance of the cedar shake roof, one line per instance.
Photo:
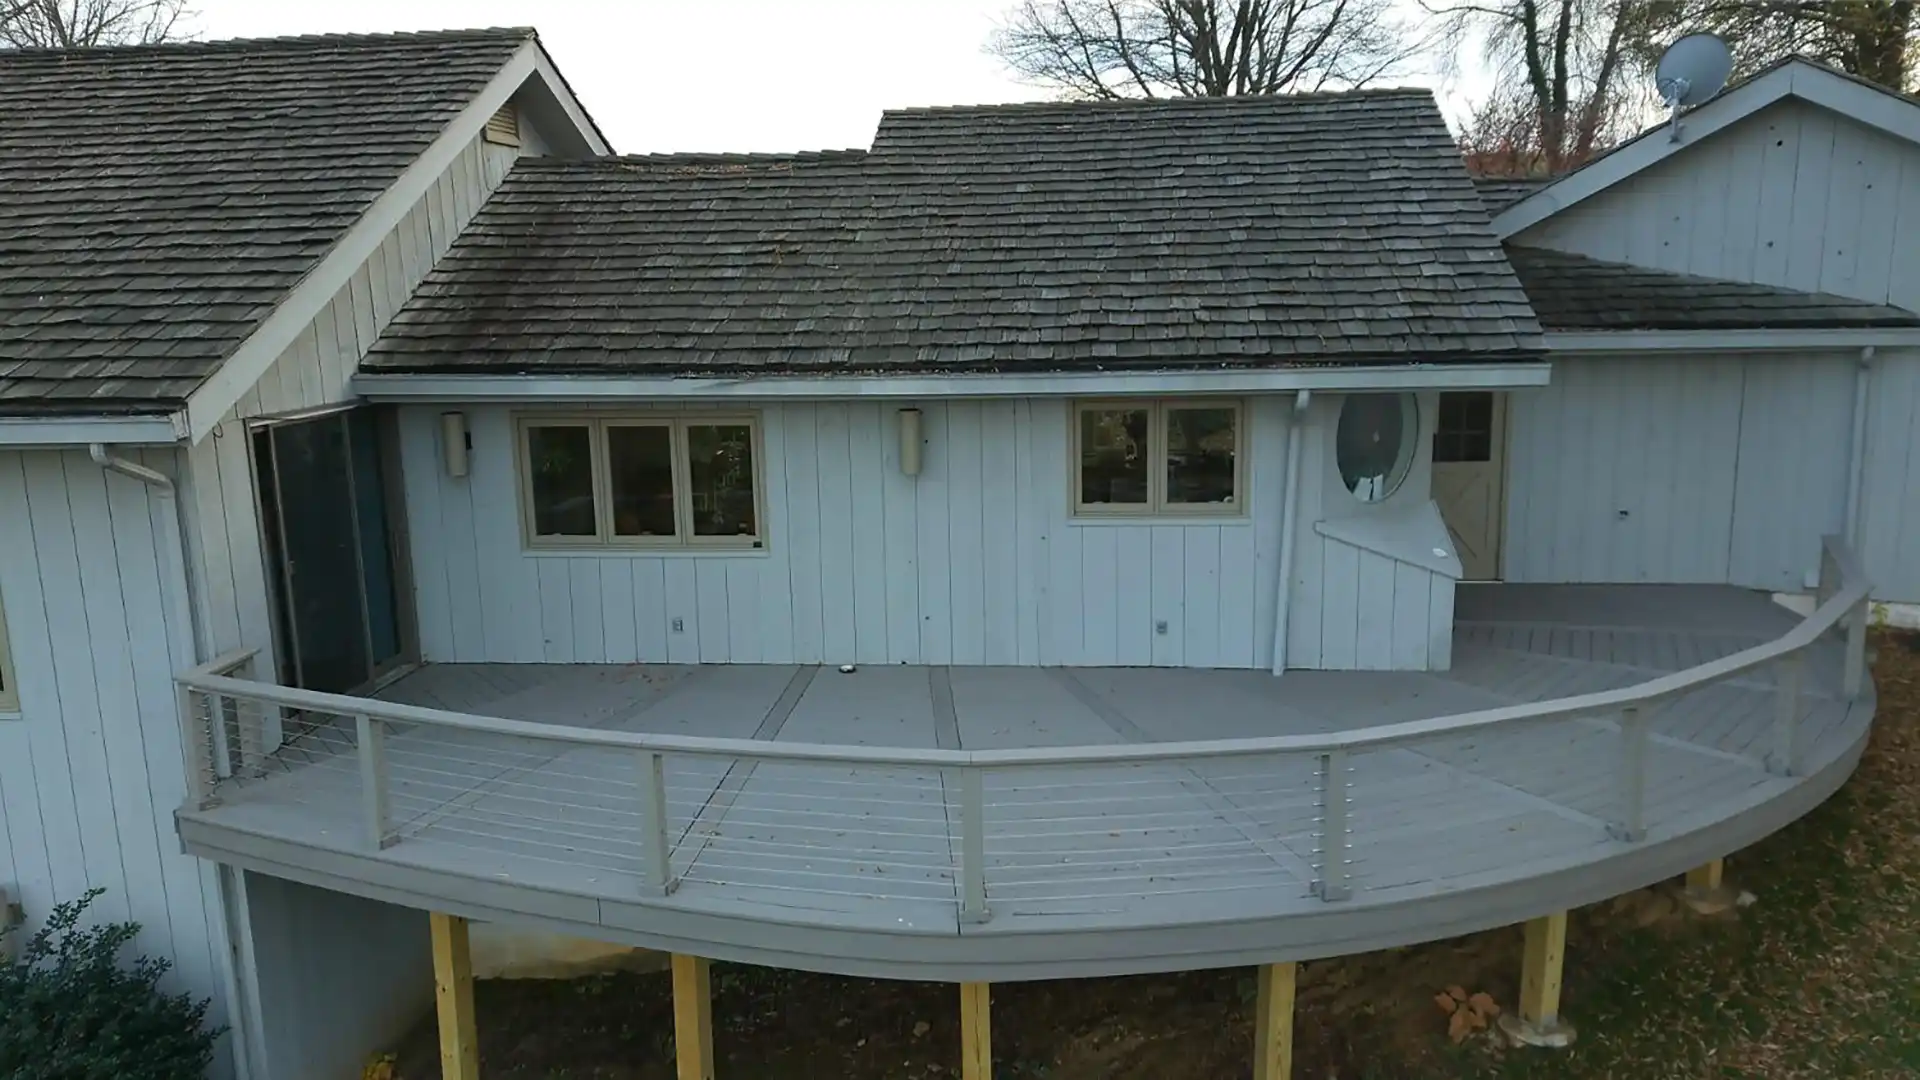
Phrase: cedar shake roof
(1573, 292)
(157, 202)
(1500, 192)
(1309, 229)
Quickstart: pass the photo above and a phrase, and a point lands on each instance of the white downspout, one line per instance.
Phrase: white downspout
(173, 555)
(1283, 588)
(1857, 459)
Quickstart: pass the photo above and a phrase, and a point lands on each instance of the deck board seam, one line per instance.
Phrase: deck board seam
(713, 810)
(1288, 861)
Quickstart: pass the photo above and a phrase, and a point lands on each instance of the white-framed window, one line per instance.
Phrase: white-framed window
(1174, 457)
(9, 690)
(641, 480)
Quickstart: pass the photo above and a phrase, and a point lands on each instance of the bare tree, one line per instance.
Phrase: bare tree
(1567, 76)
(1874, 39)
(1104, 49)
(74, 24)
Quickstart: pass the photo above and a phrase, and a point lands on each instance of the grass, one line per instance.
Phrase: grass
(1820, 978)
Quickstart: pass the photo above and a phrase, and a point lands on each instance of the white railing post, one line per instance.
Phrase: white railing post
(370, 737)
(1632, 780)
(196, 742)
(1332, 849)
(656, 870)
(1853, 672)
(973, 846)
(1786, 718)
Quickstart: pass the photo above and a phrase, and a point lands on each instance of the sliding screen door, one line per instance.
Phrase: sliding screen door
(331, 550)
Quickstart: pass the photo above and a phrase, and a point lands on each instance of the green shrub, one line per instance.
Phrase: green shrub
(70, 1011)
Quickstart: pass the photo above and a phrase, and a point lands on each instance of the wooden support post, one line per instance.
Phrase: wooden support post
(1273, 1023)
(693, 1017)
(1540, 969)
(1706, 877)
(1706, 892)
(976, 1032)
(1538, 1022)
(453, 996)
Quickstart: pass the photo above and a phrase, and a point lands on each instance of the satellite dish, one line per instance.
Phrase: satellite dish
(1690, 72)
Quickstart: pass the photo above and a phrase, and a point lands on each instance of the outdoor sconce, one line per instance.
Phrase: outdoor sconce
(453, 443)
(910, 442)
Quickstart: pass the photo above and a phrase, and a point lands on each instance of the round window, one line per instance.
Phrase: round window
(1376, 442)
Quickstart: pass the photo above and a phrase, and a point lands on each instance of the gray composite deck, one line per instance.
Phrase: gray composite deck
(1161, 865)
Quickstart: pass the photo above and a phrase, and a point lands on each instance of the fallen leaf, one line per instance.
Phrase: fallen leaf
(1484, 1006)
(1457, 993)
(1446, 1003)
(1460, 1026)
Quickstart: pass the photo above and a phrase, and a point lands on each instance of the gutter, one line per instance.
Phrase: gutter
(1851, 526)
(1283, 588)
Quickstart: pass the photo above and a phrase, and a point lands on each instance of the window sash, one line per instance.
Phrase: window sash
(605, 536)
(9, 689)
(1158, 504)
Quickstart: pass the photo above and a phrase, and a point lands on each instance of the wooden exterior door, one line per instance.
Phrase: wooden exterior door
(1469, 476)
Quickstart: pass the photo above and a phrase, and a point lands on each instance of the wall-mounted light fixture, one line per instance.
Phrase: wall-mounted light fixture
(453, 443)
(910, 442)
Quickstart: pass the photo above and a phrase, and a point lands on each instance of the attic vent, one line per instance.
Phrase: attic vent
(503, 127)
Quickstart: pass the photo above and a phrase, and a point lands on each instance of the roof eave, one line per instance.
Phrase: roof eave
(60, 429)
(1495, 373)
(1561, 342)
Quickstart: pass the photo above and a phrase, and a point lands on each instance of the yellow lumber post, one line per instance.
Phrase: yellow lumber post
(693, 1016)
(453, 997)
(1706, 878)
(1540, 970)
(1273, 1023)
(976, 1032)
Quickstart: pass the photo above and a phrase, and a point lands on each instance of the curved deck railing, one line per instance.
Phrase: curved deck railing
(952, 827)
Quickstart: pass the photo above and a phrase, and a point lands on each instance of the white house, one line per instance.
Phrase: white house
(377, 445)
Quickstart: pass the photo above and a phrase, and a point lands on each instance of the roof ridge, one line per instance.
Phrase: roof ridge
(285, 41)
(725, 157)
(1121, 104)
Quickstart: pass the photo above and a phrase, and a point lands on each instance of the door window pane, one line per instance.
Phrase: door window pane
(1113, 457)
(376, 558)
(560, 461)
(720, 468)
(1464, 431)
(1202, 445)
(640, 460)
(321, 554)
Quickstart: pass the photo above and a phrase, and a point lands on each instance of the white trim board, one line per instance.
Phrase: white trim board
(1879, 109)
(245, 366)
(576, 388)
(85, 430)
(1721, 341)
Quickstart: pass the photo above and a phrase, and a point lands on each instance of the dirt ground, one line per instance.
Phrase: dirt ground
(1830, 953)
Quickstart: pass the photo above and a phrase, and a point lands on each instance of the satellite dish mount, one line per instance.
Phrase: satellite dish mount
(1691, 71)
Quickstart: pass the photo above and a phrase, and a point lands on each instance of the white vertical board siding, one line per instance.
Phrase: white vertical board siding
(92, 770)
(1351, 608)
(975, 561)
(1790, 489)
(1890, 493)
(1624, 471)
(1795, 196)
(1681, 469)
(337, 978)
(314, 370)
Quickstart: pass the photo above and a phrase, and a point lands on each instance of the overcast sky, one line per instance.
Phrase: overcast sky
(674, 75)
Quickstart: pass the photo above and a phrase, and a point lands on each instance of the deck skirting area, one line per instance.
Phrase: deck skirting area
(1166, 863)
